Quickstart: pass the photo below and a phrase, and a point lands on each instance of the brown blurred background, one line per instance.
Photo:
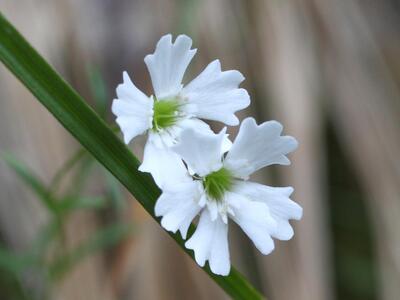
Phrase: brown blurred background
(328, 70)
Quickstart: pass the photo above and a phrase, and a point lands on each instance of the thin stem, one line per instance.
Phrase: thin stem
(65, 168)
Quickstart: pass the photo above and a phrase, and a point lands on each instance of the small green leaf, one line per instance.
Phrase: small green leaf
(14, 263)
(74, 203)
(48, 233)
(32, 181)
(66, 167)
(82, 175)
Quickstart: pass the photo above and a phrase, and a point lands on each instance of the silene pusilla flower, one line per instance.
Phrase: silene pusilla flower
(215, 186)
(201, 173)
(212, 95)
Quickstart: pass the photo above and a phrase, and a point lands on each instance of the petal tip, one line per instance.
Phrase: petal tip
(232, 120)
(127, 139)
(166, 38)
(220, 272)
(299, 214)
(268, 250)
(183, 38)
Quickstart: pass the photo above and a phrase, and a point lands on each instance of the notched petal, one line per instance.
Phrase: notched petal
(133, 109)
(178, 206)
(168, 64)
(281, 207)
(201, 150)
(258, 146)
(210, 242)
(214, 94)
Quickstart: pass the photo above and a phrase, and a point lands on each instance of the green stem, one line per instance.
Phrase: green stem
(66, 167)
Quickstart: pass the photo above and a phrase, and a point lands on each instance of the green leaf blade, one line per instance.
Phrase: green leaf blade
(32, 181)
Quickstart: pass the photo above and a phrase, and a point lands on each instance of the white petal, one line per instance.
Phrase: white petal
(201, 151)
(210, 242)
(200, 126)
(178, 205)
(258, 146)
(214, 95)
(213, 209)
(167, 137)
(165, 166)
(134, 110)
(168, 63)
(255, 220)
(226, 144)
(281, 207)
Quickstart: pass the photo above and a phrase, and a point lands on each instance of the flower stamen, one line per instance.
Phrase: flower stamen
(166, 113)
(217, 183)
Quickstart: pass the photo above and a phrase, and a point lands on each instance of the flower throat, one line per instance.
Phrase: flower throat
(217, 183)
(165, 113)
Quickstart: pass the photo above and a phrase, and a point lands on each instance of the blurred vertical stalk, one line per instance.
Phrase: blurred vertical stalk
(287, 48)
(365, 110)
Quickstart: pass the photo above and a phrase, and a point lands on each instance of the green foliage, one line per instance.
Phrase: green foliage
(11, 287)
(98, 89)
(14, 263)
(32, 181)
(66, 167)
(114, 193)
(74, 203)
(102, 239)
(41, 257)
(94, 134)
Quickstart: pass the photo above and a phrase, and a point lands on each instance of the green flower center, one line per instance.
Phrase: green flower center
(165, 113)
(217, 183)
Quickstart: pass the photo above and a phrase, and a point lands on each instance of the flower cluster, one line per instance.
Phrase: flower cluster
(200, 172)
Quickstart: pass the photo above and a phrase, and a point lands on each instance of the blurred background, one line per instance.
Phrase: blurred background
(328, 70)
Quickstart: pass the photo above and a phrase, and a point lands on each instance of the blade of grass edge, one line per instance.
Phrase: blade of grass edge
(93, 133)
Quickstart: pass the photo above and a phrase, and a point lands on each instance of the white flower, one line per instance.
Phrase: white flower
(212, 95)
(217, 189)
